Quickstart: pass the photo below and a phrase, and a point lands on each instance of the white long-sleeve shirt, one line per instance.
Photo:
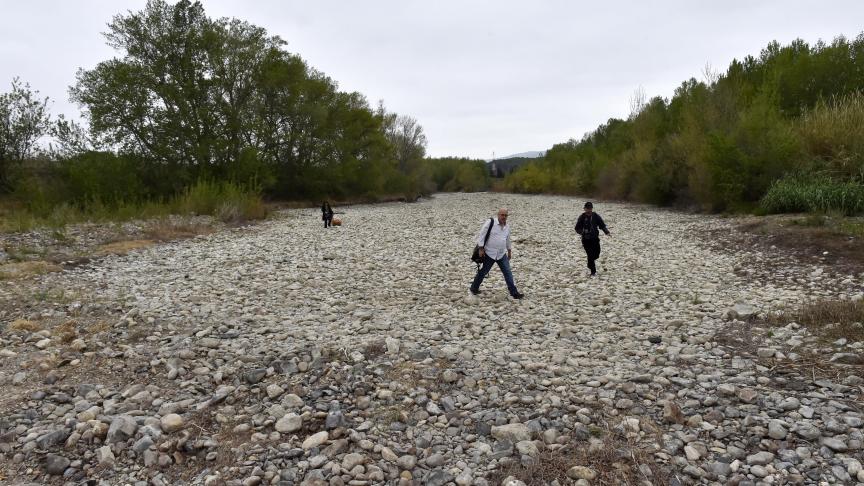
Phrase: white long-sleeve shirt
(499, 239)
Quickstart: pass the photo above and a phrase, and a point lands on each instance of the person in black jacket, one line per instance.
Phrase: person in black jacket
(326, 214)
(588, 226)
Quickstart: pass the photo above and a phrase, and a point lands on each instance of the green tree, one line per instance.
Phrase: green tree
(24, 120)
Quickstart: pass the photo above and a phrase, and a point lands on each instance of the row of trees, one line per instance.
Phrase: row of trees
(721, 143)
(191, 98)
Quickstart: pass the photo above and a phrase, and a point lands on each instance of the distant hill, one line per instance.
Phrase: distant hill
(502, 167)
(533, 154)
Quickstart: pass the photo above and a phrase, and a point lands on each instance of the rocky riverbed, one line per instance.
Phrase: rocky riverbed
(284, 353)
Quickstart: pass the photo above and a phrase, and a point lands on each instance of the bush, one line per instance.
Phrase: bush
(803, 194)
(103, 177)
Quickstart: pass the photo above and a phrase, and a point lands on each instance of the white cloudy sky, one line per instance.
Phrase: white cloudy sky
(480, 76)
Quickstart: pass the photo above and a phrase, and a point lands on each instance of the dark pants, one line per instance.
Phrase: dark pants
(327, 221)
(592, 249)
(504, 265)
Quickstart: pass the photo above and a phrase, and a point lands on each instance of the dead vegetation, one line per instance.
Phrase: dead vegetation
(165, 230)
(23, 325)
(829, 319)
(611, 460)
(27, 269)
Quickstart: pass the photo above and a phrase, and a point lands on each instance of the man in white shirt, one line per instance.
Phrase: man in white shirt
(496, 250)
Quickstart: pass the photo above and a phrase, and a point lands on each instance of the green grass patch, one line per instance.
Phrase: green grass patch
(799, 195)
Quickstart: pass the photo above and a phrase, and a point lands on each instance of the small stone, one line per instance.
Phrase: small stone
(290, 423)
(835, 444)
(672, 413)
(747, 395)
(760, 458)
(292, 401)
(274, 391)
(352, 460)
(512, 432)
(104, 456)
(435, 460)
(581, 472)
(171, 423)
(406, 462)
(122, 428)
(210, 343)
(692, 453)
(255, 376)
(777, 429)
(808, 432)
(55, 464)
(315, 440)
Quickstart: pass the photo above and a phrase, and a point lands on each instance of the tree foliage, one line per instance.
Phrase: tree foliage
(24, 120)
(191, 101)
(721, 143)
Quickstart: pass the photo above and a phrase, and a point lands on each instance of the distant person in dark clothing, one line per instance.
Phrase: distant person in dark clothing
(588, 226)
(326, 214)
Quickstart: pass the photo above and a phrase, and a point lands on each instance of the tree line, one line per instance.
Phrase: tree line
(191, 100)
(783, 131)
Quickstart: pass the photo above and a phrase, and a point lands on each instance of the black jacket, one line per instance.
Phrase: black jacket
(589, 227)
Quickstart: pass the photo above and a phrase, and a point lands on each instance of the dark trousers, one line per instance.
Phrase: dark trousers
(327, 221)
(504, 265)
(592, 249)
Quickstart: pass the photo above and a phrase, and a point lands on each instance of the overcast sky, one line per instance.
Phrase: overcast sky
(480, 76)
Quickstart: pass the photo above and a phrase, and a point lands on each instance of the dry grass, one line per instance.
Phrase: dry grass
(24, 325)
(27, 269)
(164, 230)
(374, 349)
(98, 327)
(830, 319)
(123, 247)
(615, 460)
(66, 332)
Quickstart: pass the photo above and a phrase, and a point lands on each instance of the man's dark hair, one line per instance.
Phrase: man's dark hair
(588, 205)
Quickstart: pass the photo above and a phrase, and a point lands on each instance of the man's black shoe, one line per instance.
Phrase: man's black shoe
(475, 292)
(518, 296)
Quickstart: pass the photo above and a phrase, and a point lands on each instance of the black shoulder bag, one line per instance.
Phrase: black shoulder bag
(475, 257)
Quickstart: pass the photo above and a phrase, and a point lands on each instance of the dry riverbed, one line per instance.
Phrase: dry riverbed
(284, 353)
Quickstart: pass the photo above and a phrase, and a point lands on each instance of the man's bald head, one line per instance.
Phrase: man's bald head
(502, 216)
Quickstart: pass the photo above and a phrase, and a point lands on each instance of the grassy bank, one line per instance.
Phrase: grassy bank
(226, 201)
